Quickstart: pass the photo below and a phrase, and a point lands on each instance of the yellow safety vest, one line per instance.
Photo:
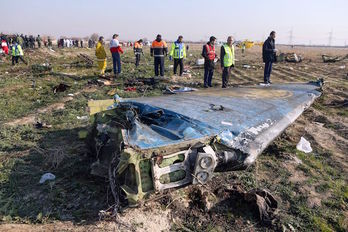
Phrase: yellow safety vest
(17, 50)
(178, 50)
(229, 55)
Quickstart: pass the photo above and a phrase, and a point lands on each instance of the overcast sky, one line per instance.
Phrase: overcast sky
(310, 21)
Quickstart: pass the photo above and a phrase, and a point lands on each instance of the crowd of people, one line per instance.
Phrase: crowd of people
(26, 41)
(68, 43)
(177, 53)
(13, 45)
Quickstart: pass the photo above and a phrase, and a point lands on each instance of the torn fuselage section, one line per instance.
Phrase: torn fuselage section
(152, 144)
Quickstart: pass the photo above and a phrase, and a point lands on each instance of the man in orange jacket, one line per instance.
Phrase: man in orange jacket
(158, 50)
(138, 50)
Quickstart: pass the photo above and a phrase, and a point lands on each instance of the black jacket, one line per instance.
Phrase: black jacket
(268, 54)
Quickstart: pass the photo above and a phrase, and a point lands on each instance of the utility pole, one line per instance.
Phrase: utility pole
(330, 37)
(290, 37)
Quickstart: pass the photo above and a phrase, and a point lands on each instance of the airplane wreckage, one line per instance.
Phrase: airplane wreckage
(149, 144)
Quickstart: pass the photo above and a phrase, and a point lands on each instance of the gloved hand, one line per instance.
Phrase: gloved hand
(232, 65)
(170, 57)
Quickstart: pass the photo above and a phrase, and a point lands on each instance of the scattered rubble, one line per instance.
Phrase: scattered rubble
(47, 176)
(84, 61)
(177, 89)
(333, 59)
(60, 88)
(289, 57)
(41, 68)
(40, 125)
(259, 202)
(304, 146)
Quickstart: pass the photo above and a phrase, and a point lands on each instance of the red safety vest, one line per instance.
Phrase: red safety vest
(210, 52)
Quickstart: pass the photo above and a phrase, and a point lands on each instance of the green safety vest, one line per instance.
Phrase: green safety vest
(17, 50)
(178, 50)
(229, 55)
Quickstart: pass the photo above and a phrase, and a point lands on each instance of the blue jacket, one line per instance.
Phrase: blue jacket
(268, 54)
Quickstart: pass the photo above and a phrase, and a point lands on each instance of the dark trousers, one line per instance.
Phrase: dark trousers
(208, 76)
(267, 72)
(226, 72)
(137, 59)
(179, 62)
(159, 63)
(116, 62)
(15, 59)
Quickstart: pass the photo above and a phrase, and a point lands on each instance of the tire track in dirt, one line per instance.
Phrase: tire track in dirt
(280, 75)
(331, 75)
(305, 75)
(294, 76)
(242, 75)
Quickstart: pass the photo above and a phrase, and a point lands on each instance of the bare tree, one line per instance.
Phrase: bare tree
(94, 37)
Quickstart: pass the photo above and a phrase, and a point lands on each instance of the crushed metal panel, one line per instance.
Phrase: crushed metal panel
(172, 141)
(251, 118)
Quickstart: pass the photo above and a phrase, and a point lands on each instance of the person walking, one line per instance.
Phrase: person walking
(178, 52)
(227, 60)
(269, 56)
(158, 50)
(17, 53)
(138, 51)
(115, 50)
(101, 55)
(209, 55)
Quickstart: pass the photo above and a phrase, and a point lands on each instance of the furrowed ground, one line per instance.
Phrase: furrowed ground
(311, 188)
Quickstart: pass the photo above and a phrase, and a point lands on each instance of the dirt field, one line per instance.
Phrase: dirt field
(311, 189)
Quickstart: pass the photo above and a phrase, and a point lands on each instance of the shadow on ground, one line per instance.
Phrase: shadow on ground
(74, 195)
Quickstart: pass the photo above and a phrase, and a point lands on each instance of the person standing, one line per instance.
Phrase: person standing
(227, 60)
(115, 50)
(20, 40)
(269, 56)
(243, 48)
(31, 42)
(26, 42)
(4, 46)
(38, 40)
(138, 50)
(49, 42)
(178, 52)
(158, 50)
(209, 55)
(17, 53)
(101, 55)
